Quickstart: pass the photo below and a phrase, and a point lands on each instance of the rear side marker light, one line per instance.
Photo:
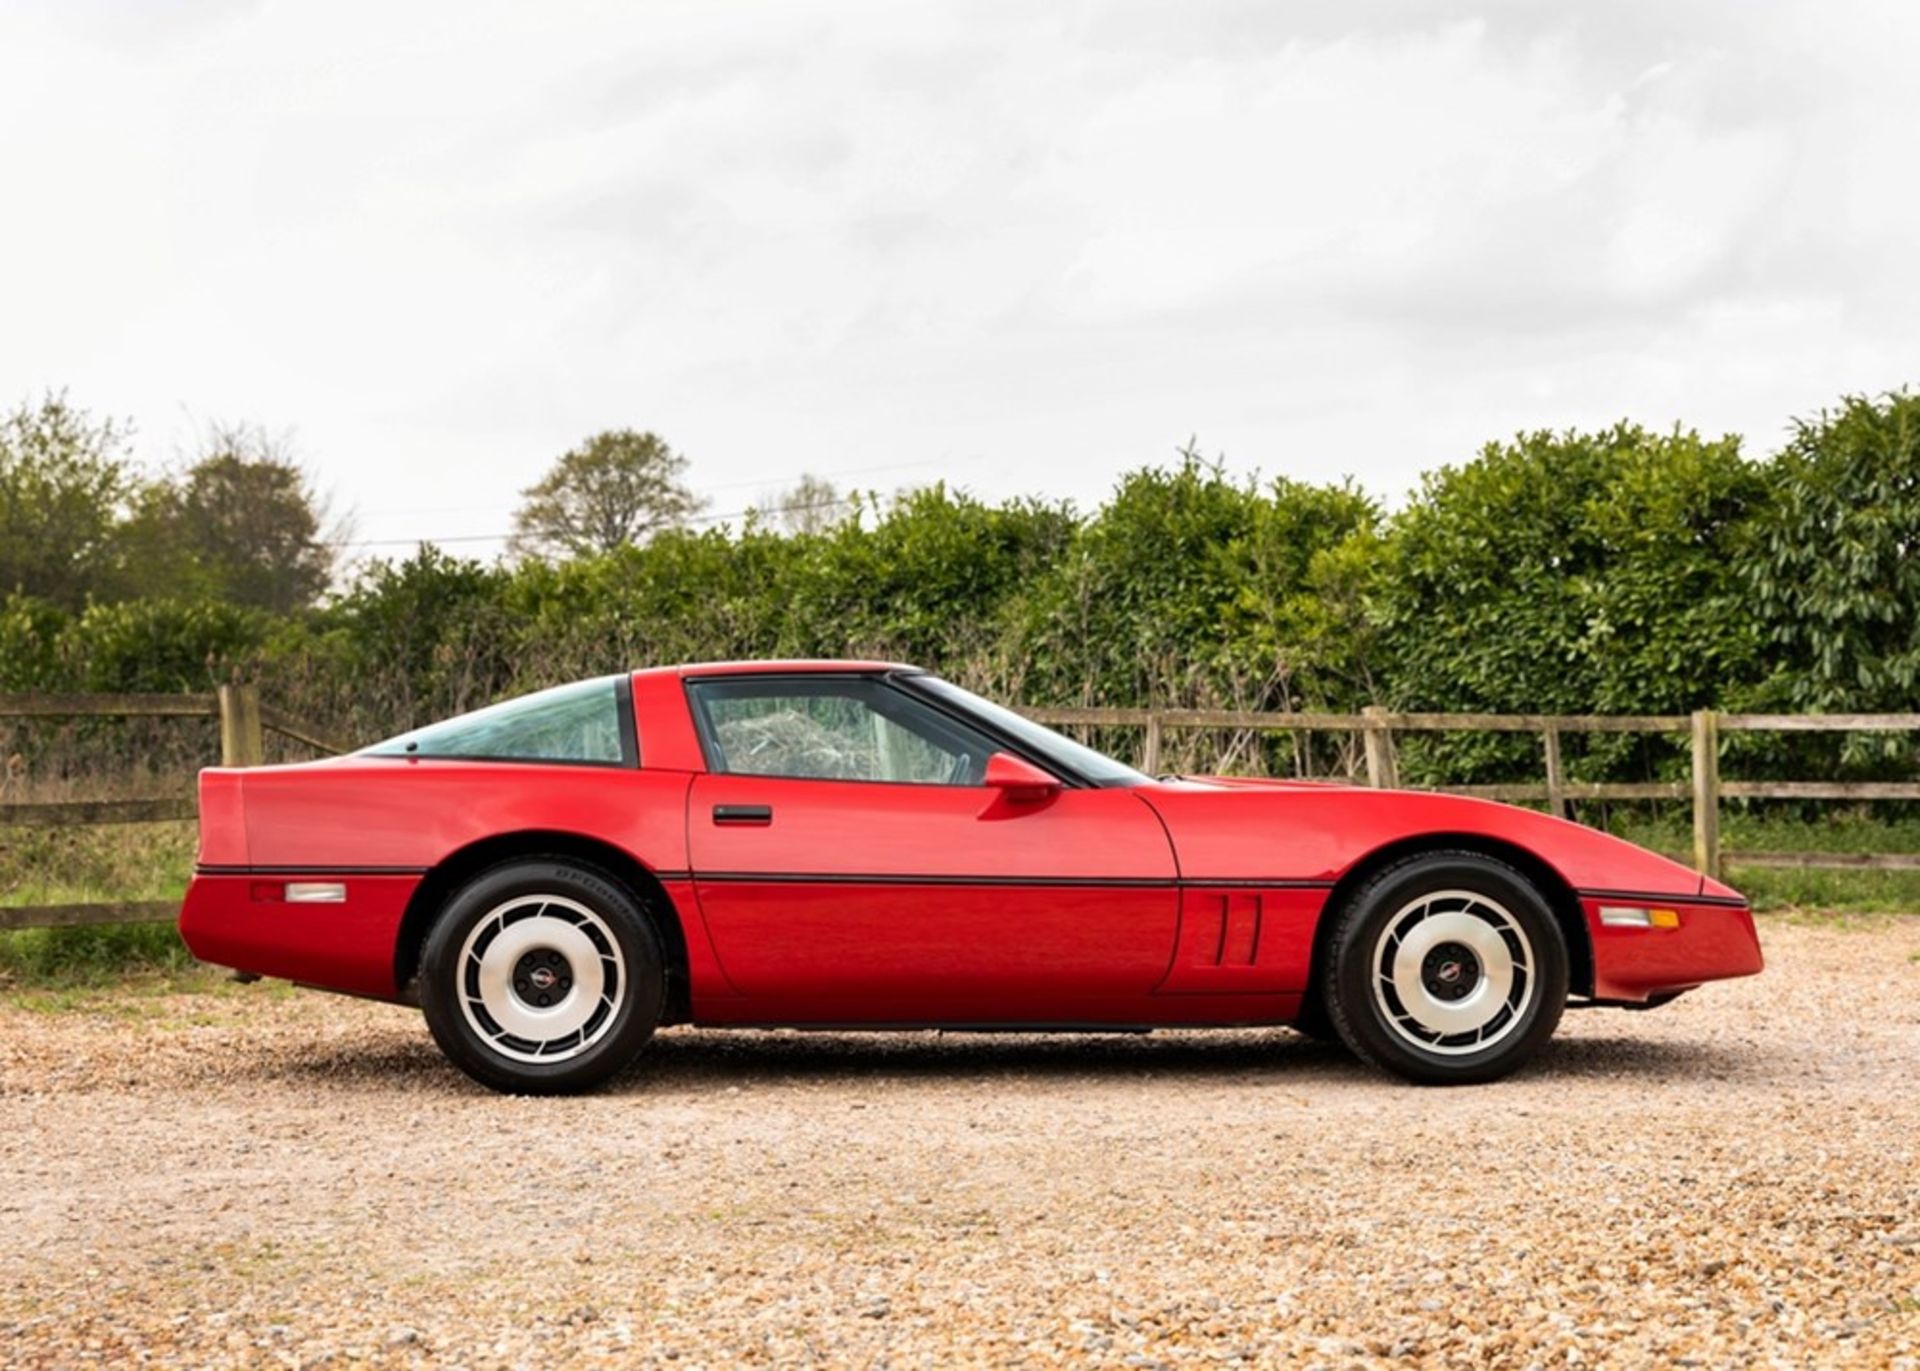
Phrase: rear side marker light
(1634, 916)
(298, 892)
(316, 892)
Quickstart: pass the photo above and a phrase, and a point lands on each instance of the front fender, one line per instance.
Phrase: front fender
(1319, 833)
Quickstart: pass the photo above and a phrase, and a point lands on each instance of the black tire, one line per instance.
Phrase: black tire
(1314, 1022)
(551, 930)
(1468, 938)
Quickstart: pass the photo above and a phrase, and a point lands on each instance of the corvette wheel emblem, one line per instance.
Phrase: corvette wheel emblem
(543, 979)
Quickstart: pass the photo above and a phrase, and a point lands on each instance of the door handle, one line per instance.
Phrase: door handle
(743, 814)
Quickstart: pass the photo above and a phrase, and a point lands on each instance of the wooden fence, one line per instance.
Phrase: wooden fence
(245, 722)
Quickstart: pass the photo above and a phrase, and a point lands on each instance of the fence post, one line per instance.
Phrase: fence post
(242, 741)
(1381, 771)
(1706, 792)
(1150, 751)
(1556, 778)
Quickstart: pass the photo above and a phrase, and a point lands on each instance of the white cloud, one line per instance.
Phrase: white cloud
(1024, 246)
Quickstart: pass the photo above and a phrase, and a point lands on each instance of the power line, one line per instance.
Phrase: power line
(724, 485)
(846, 503)
(833, 475)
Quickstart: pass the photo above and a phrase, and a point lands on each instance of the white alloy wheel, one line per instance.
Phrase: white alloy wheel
(1453, 972)
(541, 978)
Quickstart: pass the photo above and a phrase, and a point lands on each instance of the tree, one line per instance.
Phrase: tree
(64, 484)
(813, 504)
(615, 488)
(161, 644)
(933, 581)
(1836, 577)
(29, 643)
(425, 638)
(242, 523)
(1188, 587)
(1573, 573)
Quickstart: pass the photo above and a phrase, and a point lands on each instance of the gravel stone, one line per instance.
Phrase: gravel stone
(254, 1178)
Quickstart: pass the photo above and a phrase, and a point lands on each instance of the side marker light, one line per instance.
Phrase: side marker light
(316, 892)
(1634, 916)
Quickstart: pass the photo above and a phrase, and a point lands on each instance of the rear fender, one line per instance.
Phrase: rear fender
(223, 817)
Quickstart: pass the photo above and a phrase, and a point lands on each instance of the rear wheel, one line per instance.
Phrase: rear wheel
(542, 977)
(1447, 968)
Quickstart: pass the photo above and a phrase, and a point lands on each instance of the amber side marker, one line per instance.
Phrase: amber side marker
(1638, 916)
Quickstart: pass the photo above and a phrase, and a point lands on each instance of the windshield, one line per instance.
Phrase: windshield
(571, 723)
(1077, 758)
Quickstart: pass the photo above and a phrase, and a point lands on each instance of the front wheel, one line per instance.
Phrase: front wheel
(542, 977)
(1314, 1023)
(1447, 968)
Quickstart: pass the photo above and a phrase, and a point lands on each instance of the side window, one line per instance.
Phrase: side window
(833, 728)
(587, 723)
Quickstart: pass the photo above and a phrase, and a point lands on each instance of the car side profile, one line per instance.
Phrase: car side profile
(863, 845)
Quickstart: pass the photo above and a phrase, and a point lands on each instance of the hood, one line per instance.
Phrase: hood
(1232, 829)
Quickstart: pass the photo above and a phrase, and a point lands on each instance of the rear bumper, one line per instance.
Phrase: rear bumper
(244, 921)
(1714, 941)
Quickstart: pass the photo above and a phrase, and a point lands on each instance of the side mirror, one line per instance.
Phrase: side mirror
(1021, 782)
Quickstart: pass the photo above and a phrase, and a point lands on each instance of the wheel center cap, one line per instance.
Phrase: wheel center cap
(1450, 972)
(542, 978)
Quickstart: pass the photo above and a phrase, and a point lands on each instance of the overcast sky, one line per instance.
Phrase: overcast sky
(1021, 246)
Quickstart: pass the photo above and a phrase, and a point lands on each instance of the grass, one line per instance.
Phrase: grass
(80, 865)
(144, 992)
(85, 866)
(1826, 892)
(76, 958)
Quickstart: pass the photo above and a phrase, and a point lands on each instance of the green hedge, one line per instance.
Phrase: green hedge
(1619, 571)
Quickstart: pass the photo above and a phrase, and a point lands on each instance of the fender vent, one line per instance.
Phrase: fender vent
(1235, 933)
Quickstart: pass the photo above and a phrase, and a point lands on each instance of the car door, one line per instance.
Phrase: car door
(851, 867)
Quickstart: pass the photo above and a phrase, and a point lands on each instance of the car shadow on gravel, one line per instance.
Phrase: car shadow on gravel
(700, 1059)
(704, 1059)
(691, 1061)
(1647, 1059)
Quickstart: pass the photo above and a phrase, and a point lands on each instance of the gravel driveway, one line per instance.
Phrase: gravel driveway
(258, 1177)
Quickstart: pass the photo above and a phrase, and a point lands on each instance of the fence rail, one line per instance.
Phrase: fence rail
(87, 915)
(245, 721)
(244, 724)
(46, 706)
(82, 812)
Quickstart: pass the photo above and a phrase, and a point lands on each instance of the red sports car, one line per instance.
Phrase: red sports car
(863, 845)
